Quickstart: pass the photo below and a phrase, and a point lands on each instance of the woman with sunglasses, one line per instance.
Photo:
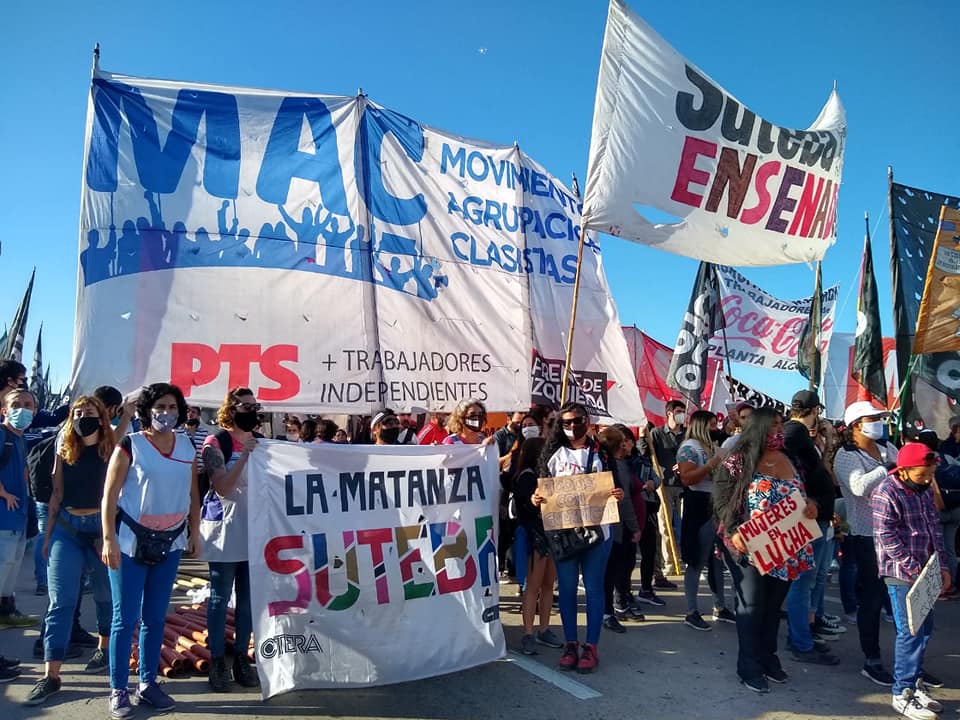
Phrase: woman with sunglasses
(223, 528)
(569, 451)
(70, 544)
(466, 424)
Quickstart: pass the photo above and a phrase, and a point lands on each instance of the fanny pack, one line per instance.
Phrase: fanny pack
(153, 546)
(92, 539)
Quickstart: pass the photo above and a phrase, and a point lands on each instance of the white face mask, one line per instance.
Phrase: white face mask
(531, 431)
(568, 432)
(874, 430)
(473, 424)
(679, 418)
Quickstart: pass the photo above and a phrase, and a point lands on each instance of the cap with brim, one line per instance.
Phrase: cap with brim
(805, 400)
(915, 454)
(862, 409)
(741, 405)
(381, 416)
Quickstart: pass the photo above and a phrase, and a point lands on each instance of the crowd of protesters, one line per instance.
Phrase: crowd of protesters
(135, 486)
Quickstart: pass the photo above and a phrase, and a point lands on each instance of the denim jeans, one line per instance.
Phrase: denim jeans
(871, 593)
(908, 649)
(823, 561)
(592, 565)
(520, 555)
(759, 598)
(848, 575)
(39, 562)
(140, 593)
(950, 519)
(69, 556)
(224, 577)
(12, 546)
(691, 575)
(798, 605)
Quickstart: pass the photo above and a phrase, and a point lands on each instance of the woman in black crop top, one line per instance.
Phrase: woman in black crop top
(72, 540)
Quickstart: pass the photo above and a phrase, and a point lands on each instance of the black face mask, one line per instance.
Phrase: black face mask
(245, 421)
(86, 426)
(916, 487)
(389, 435)
(193, 423)
(717, 436)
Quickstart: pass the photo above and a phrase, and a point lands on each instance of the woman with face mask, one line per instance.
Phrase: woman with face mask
(223, 527)
(569, 451)
(152, 485)
(385, 427)
(466, 424)
(697, 458)
(70, 544)
(756, 476)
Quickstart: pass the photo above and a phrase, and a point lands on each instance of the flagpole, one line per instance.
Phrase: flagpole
(818, 323)
(568, 358)
(904, 365)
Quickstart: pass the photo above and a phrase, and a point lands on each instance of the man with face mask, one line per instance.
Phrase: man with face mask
(408, 429)
(906, 526)
(666, 440)
(385, 427)
(508, 434)
(860, 466)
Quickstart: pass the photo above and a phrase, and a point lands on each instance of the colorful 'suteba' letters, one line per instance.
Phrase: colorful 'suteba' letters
(332, 577)
(812, 215)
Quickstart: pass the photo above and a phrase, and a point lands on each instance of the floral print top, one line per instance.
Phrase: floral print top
(763, 493)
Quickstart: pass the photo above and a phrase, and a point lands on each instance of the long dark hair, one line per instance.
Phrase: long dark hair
(733, 477)
(529, 457)
(557, 438)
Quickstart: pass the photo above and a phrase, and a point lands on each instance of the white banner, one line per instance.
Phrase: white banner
(840, 390)
(372, 565)
(738, 189)
(331, 254)
(762, 330)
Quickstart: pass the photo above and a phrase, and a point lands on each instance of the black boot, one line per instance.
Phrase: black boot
(219, 675)
(243, 672)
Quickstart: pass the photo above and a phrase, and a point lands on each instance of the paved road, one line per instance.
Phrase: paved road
(658, 669)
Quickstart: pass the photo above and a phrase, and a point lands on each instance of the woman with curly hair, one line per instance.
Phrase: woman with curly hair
(697, 458)
(466, 424)
(70, 544)
(149, 500)
(570, 451)
(223, 528)
(756, 476)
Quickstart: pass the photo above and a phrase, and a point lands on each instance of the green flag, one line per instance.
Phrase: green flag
(809, 360)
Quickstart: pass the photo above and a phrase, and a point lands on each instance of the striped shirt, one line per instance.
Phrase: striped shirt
(859, 474)
(906, 529)
(198, 438)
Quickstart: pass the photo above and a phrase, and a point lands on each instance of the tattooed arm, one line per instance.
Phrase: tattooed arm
(222, 480)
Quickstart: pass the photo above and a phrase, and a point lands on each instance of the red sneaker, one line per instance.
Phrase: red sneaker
(588, 659)
(569, 658)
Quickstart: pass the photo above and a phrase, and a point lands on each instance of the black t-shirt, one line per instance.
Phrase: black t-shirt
(83, 481)
(816, 478)
(528, 514)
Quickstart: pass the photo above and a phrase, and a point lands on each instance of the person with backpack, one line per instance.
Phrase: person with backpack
(223, 529)
(71, 540)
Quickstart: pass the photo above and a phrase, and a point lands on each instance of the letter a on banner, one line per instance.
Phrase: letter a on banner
(743, 190)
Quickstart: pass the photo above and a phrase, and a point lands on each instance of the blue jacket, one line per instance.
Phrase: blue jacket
(13, 475)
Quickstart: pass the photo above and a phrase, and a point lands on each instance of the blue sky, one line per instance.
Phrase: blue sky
(495, 70)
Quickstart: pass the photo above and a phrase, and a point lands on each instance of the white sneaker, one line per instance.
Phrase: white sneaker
(907, 705)
(923, 697)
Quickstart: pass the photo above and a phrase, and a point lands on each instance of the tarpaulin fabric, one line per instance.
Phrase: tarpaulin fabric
(667, 140)
(938, 321)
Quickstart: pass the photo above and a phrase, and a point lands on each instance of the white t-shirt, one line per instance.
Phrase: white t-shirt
(156, 491)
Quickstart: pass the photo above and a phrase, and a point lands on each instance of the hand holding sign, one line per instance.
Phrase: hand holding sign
(778, 534)
(575, 501)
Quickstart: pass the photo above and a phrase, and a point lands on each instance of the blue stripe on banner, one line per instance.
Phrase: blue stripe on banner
(948, 225)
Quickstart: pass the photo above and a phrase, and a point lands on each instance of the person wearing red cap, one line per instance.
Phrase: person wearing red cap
(906, 528)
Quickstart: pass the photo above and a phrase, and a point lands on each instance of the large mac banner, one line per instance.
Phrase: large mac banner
(332, 254)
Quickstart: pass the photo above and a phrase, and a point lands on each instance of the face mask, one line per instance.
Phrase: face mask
(875, 430)
(389, 435)
(576, 432)
(20, 418)
(531, 431)
(164, 421)
(916, 487)
(473, 424)
(775, 441)
(679, 418)
(245, 421)
(717, 436)
(86, 426)
(193, 423)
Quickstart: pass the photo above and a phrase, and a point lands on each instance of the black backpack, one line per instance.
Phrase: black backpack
(40, 461)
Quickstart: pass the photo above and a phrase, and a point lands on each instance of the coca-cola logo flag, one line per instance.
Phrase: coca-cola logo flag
(763, 330)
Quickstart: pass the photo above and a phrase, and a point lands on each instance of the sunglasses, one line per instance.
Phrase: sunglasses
(248, 407)
(570, 422)
(475, 417)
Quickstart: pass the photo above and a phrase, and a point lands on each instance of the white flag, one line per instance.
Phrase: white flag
(739, 189)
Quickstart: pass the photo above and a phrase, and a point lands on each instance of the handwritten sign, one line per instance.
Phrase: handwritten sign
(575, 501)
(924, 593)
(779, 533)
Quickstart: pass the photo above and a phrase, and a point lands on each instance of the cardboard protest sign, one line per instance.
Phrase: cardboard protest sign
(779, 533)
(924, 593)
(575, 501)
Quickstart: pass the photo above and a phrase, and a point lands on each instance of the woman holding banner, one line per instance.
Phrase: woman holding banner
(697, 458)
(466, 424)
(569, 451)
(756, 476)
(223, 527)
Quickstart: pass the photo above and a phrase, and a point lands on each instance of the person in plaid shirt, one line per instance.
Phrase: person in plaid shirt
(906, 528)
